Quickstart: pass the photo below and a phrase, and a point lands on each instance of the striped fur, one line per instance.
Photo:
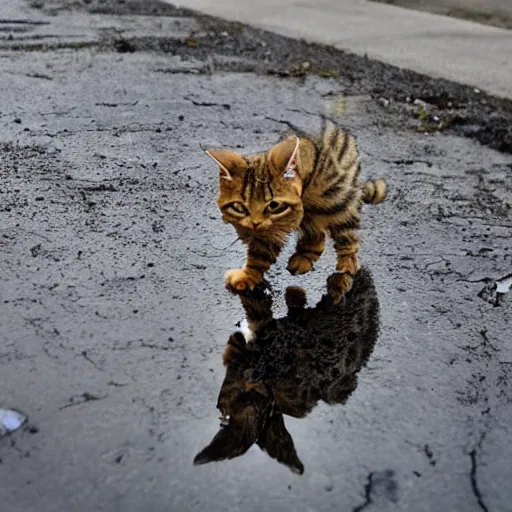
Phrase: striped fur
(311, 187)
(374, 192)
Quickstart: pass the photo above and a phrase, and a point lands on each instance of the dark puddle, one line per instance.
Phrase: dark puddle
(289, 365)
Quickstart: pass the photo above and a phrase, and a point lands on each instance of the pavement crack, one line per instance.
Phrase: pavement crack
(90, 204)
(430, 455)
(116, 384)
(108, 104)
(428, 265)
(87, 358)
(486, 341)
(482, 280)
(367, 494)
(408, 161)
(31, 75)
(197, 103)
(46, 349)
(81, 399)
(23, 22)
(58, 113)
(474, 482)
(179, 71)
(102, 187)
(301, 111)
(152, 345)
(283, 121)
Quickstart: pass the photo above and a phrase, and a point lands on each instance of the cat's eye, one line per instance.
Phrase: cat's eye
(275, 207)
(237, 208)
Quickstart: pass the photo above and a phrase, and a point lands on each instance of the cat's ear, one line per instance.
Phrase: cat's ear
(227, 444)
(278, 443)
(247, 414)
(284, 155)
(229, 162)
(232, 440)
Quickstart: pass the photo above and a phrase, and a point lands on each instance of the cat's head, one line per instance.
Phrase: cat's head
(247, 415)
(260, 194)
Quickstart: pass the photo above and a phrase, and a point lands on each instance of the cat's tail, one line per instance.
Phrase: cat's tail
(374, 192)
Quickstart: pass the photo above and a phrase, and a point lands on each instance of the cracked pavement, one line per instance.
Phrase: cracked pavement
(112, 255)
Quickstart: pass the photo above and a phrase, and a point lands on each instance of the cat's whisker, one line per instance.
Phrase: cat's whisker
(232, 243)
(221, 249)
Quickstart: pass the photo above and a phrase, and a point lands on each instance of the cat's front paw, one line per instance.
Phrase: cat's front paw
(338, 285)
(299, 264)
(239, 280)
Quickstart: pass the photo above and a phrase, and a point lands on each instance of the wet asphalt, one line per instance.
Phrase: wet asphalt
(112, 255)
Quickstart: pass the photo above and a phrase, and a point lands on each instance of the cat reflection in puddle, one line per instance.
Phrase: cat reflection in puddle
(289, 365)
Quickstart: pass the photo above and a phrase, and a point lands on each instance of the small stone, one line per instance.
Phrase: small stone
(419, 103)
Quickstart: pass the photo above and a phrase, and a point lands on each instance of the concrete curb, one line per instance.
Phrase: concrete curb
(439, 46)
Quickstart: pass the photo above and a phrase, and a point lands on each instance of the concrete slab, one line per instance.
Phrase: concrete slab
(441, 46)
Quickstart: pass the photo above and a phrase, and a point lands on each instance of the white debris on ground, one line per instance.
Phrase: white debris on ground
(494, 290)
(504, 284)
(10, 420)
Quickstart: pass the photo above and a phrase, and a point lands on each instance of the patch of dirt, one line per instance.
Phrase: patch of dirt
(140, 7)
(225, 46)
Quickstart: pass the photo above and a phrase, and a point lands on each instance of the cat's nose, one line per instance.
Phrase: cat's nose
(255, 224)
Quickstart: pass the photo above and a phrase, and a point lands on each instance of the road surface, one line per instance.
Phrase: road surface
(112, 255)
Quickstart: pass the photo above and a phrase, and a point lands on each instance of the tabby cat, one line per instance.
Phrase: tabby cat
(291, 363)
(304, 183)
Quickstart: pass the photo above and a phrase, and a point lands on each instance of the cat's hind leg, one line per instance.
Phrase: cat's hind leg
(310, 246)
(345, 233)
